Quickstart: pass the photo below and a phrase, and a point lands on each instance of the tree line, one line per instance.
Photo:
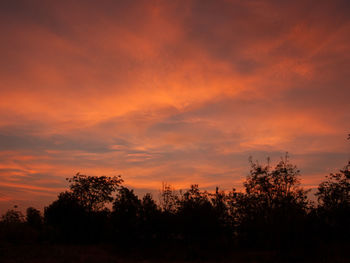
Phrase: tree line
(272, 212)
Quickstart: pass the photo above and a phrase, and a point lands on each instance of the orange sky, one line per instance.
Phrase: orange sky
(176, 91)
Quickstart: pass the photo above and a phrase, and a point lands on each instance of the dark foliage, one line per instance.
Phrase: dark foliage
(271, 213)
(334, 205)
(93, 192)
(66, 218)
(34, 218)
(272, 209)
(126, 214)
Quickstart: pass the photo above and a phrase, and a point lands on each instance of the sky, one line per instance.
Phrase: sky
(173, 91)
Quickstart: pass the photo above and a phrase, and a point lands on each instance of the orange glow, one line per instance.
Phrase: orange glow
(167, 91)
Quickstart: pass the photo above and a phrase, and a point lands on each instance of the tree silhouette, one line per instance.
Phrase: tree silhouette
(334, 204)
(273, 204)
(197, 214)
(68, 218)
(218, 200)
(149, 218)
(274, 187)
(12, 217)
(272, 212)
(149, 206)
(126, 213)
(13, 228)
(93, 192)
(34, 218)
(168, 198)
(334, 193)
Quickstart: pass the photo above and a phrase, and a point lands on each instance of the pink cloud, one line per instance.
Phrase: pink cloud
(173, 91)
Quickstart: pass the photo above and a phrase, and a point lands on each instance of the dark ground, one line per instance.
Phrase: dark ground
(108, 254)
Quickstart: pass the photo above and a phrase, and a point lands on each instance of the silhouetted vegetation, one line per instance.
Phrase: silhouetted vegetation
(272, 213)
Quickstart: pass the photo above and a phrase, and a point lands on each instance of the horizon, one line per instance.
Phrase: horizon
(169, 91)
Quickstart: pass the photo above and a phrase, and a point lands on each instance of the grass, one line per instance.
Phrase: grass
(109, 254)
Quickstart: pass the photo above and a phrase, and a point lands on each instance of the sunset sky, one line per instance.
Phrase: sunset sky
(169, 91)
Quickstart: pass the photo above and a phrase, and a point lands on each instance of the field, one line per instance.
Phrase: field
(109, 254)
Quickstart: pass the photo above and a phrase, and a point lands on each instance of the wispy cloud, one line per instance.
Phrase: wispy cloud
(172, 91)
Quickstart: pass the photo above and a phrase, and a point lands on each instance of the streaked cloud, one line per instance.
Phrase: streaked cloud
(176, 91)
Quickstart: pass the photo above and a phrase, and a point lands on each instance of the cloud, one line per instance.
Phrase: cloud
(172, 91)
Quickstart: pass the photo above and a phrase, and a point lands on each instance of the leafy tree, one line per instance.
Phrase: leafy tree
(238, 207)
(149, 208)
(219, 203)
(334, 205)
(148, 203)
(194, 198)
(12, 227)
(334, 193)
(273, 206)
(276, 187)
(168, 198)
(127, 203)
(126, 213)
(33, 217)
(93, 192)
(198, 217)
(61, 210)
(67, 217)
(12, 217)
(150, 217)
